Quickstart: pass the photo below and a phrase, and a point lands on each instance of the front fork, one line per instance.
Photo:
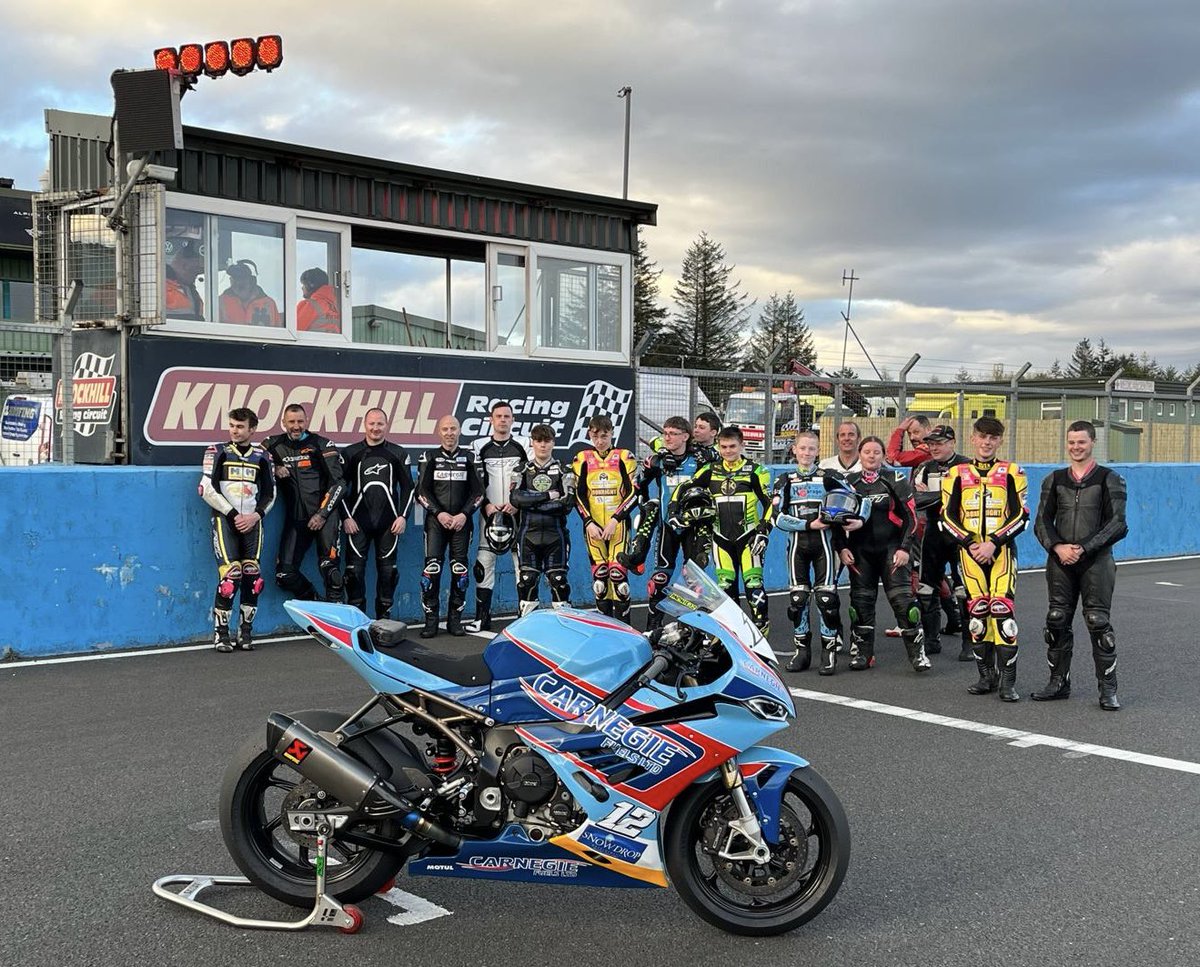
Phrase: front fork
(746, 825)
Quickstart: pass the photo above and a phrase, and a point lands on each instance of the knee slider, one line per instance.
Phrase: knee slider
(658, 581)
(479, 572)
(432, 569)
(798, 600)
(600, 579)
(560, 588)
(1096, 621)
(1056, 618)
(527, 581)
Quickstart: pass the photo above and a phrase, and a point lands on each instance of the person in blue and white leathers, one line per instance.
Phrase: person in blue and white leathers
(798, 496)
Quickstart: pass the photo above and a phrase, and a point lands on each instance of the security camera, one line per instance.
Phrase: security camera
(162, 173)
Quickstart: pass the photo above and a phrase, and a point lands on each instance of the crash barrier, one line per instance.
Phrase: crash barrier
(109, 558)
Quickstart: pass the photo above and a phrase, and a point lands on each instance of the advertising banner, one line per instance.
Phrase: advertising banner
(182, 391)
(96, 393)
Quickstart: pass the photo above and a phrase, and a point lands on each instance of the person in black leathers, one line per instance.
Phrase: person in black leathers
(880, 549)
(938, 551)
(449, 488)
(543, 491)
(1080, 516)
(308, 468)
(379, 489)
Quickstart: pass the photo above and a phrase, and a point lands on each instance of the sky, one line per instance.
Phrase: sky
(1004, 179)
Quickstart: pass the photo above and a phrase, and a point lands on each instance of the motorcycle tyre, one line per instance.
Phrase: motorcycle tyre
(251, 758)
(833, 834)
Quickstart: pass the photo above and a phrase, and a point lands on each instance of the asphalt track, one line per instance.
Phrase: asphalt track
(984, 833)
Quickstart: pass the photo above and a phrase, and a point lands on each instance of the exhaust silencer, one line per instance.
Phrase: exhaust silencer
(343, 776)
(318, 759)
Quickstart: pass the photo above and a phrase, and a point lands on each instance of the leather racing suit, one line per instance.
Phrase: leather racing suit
(604, 482)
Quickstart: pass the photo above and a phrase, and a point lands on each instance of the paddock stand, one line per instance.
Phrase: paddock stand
(327, 912)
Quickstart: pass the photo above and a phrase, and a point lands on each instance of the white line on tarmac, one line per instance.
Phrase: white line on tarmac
(414, 909)
(1017, 738)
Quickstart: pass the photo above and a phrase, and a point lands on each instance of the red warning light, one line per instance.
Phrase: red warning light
(243, 54)
(166, 59)
(191, 59)
(270, 52)
(216, 58)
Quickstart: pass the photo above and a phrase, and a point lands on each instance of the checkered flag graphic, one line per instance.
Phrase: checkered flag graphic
(93, 364)
(601, 397)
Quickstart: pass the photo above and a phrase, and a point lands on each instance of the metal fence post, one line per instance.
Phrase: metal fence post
(66, 321)
(1191, 406)
(1012, 402)
(1062, 403)
(903, 401)
(769, 408)
(962, 417)
(1108, 408)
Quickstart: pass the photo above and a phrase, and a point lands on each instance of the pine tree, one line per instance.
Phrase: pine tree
(710, 319)
(963, 375)
(1083, 360)
(648, 315)
(781, 325)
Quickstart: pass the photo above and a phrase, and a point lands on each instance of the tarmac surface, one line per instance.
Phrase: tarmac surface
(983, 832)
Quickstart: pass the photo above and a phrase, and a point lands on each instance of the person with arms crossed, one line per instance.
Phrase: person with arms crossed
(1080, 516)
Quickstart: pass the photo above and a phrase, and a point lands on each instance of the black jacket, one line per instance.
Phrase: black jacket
(314, 482)
(1088, 512)
(449, 482)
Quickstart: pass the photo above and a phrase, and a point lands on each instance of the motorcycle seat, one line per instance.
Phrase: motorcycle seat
(458, 669)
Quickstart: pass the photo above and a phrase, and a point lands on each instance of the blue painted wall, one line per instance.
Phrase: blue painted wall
(119, 557)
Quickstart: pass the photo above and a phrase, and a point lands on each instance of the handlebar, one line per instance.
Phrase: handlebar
(656, 667)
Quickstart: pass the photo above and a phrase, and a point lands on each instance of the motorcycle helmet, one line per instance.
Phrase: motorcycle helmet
(499, 531)
(696, 506)
(840, 505)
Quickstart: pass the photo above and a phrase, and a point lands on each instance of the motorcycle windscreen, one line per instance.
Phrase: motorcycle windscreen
(695, 591)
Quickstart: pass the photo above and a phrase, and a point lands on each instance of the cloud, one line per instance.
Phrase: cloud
(988, 170)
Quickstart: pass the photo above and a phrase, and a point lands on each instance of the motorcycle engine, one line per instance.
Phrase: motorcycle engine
(527, 778)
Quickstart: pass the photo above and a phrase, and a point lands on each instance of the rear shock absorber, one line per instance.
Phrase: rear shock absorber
(445, 756)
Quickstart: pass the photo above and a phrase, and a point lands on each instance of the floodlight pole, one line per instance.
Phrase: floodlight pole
(627, 94)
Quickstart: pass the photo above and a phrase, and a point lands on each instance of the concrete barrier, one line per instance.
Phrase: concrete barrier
(105, 558)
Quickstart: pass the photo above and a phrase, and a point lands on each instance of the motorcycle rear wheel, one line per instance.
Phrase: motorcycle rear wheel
(253, 796)
(760, 901)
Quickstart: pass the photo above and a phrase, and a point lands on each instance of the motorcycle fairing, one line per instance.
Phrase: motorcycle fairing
(514, 857)
(765, 771)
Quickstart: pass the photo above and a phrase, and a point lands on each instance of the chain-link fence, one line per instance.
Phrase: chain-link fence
(1136, 422)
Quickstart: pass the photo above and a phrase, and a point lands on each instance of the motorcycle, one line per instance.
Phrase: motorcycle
(572, 750)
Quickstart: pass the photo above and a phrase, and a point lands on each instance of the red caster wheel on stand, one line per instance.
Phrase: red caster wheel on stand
(355, 914)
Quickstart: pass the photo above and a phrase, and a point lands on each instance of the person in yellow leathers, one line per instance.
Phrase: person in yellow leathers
(983, 509)
(741, 490)
(604, 482)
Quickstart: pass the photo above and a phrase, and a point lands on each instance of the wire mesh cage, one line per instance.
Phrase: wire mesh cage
(73, 240)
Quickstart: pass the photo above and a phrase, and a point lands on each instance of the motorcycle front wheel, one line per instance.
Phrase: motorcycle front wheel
(804, 872)
(257, 791)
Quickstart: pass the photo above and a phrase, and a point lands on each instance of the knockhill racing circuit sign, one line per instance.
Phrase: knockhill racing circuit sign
(187, 406)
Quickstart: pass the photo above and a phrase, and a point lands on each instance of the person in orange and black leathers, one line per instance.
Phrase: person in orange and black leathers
(1080, 517)
(317, 311)
(244, 302)
(308, 468)
(983, 509)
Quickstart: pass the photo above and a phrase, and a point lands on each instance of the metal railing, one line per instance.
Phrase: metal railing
(1136, 422)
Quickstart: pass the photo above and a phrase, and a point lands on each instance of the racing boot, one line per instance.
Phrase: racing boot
(245, 635)
(527, 607)
(968, 649)
(862, 647)
(985, 661)
(1104, 653)
(454, 623)
(1006, 658)
(605, 606)
(431, 625)
(1059, 685)
(221, 640)
(830, 646)
(953, 624)
(931, 623)
(914, 644)
(800, 661)
(483, 611)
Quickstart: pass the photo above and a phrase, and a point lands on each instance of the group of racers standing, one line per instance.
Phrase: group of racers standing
(940, 541)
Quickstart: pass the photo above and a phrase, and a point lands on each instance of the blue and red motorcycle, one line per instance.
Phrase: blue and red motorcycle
(572, 750)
